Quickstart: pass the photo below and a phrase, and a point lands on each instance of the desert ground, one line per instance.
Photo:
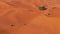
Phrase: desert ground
(25, 17)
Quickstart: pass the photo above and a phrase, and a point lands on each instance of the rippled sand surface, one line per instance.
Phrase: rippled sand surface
(25, 17)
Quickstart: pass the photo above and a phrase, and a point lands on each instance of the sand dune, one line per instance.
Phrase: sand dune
(25, 17)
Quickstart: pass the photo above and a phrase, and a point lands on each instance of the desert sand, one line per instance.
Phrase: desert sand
(25, 17)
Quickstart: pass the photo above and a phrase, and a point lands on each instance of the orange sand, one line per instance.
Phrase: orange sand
(24, 17)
